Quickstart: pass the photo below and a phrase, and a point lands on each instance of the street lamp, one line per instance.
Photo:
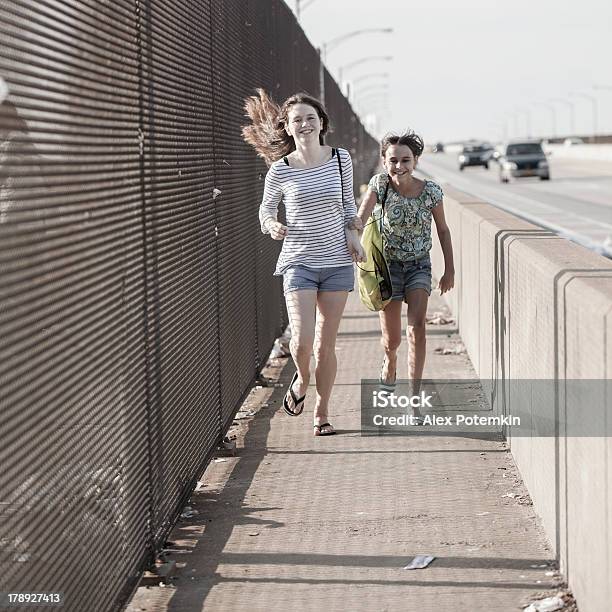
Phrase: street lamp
(362, 60)
(593, 100)
(373, 95)
(374, 87)
(372, 100)
(514, 116)
(570, 105)
(553, 114)
(300, 6)
(525, 111)
(503, 127)
(333, 43)
(371, 75)
(371, 116)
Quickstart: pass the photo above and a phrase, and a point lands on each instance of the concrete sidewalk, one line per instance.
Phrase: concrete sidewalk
(297, 522)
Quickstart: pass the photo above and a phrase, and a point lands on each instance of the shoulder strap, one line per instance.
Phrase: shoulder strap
(339, 168)
(384, 198)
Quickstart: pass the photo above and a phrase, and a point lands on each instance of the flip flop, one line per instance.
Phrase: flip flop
(319, 430)
(298, 402)
(382, 385)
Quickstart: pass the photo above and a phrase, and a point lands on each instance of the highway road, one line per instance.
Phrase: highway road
(576, 203)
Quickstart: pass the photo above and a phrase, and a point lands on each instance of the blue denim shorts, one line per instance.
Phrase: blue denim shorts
(409, 275)
(339, 278)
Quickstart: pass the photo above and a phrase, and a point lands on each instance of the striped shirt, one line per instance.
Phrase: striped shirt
(315, 211)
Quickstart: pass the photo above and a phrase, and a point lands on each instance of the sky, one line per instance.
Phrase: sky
(480, 69)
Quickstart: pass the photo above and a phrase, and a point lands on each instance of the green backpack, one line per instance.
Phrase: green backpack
(374, 279)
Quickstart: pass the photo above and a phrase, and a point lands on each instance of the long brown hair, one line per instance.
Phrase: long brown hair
(267, 132)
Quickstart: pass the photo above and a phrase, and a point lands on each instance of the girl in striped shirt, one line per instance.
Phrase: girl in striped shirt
(320, 238)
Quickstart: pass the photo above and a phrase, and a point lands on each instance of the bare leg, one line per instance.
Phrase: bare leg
(391, 327)
(330, 306)
(417, 344)
(301, 307)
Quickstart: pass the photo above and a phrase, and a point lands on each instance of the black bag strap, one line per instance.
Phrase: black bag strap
(334, 152)
(384, 199)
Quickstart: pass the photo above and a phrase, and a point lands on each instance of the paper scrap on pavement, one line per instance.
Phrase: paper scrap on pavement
(550, 604)
(420, 562)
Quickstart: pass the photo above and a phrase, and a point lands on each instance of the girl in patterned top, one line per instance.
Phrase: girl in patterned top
(320, 239)
(410, 205)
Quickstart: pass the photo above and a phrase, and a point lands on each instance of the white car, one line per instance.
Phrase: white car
(570, 142)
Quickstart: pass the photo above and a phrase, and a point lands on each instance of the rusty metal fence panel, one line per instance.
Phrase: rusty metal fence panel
(137, 303)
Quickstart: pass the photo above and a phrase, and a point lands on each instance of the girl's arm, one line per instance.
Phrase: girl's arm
(268, 209)
(367, 206)
(354, 245)
(447, 281)
(352, 236)
(351, 222)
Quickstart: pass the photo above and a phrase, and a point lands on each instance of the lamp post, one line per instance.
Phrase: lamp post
(300, 5)
(502, 126)
(374, 87)
(330, 45)
(514, 116)
(570, 105)
(372, 113)
(593, 100)
(553, 114)
(525, 111)
(362, 60)
(334, 42)
(371, 75)
(372, 96)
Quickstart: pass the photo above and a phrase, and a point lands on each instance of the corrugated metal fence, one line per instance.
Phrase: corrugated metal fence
(135, 308)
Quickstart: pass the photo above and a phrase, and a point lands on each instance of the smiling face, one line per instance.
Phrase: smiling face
(303, 123)
(399, 160)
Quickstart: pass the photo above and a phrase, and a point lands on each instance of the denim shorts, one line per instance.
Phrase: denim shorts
(409, 275)
(339, 278)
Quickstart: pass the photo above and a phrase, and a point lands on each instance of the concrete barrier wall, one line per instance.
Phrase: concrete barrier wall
(601, 152)
(531, 305)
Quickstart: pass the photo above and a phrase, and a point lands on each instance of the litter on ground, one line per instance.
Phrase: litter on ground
(420, 562)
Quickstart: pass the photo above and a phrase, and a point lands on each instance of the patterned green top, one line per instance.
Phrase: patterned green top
(407, 222)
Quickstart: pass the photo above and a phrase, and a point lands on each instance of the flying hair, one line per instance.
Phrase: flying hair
(266, 133)
(413, 141)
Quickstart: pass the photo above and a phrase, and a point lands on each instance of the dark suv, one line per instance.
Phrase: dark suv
(474, 155)
(522, 158)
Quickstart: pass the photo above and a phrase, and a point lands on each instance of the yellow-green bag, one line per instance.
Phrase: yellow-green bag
(374, 278)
